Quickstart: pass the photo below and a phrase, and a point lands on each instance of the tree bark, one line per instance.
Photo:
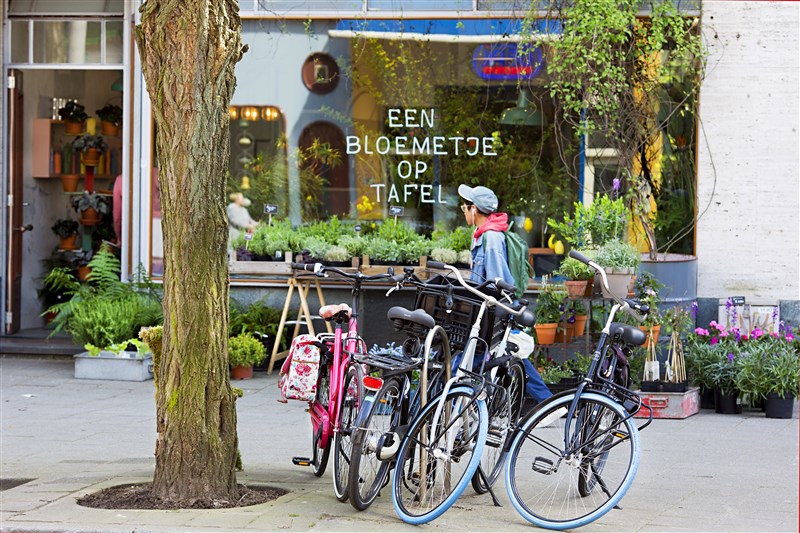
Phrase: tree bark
(189, 51)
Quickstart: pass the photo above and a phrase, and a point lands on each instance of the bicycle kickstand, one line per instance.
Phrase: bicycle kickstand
(488, 486)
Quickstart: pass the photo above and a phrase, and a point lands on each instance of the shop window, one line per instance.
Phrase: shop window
(66, 42)
(60, 7)
(324, 171)
(257, 165)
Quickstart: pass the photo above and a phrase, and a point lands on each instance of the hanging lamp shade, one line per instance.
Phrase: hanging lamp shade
(523, 114)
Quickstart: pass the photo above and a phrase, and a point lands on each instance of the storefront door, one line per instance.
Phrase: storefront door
(17, 226)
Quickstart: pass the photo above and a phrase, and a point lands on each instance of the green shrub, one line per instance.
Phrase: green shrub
(245, 350)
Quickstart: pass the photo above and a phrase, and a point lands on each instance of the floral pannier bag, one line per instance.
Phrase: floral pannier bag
(299, 372)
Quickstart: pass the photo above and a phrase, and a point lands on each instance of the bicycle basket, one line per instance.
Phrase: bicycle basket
(458, 320)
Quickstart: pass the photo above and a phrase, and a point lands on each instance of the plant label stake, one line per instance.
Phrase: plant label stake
(396, 211)
(270, 209)
(247, 238)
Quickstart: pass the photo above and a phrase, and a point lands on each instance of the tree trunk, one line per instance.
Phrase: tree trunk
(189, 51)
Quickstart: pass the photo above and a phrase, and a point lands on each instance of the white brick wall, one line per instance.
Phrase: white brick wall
(748, 184)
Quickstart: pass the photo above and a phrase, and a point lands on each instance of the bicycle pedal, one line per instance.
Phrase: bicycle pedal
(302, 461)
(494, 439)
(543, 465)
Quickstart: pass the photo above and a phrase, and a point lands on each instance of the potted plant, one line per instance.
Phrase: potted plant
(620, 260)
(699, 353)
(676, 320)
(768, 372)
(244, 351)
(578, 276)
(646, 290)
(578, 310)
(337, 256)
(91, 146)
(548, 312)
(110, 118)
(74, 116)
(90, 205)
(67, 230)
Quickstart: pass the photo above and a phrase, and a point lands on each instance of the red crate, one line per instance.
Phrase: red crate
(670, 404)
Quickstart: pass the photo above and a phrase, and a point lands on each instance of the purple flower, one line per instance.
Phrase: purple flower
(694, 310)
(615, 184)
(730, 357)
(775, 314)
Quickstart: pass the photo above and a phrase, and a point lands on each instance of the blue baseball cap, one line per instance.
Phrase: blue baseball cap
(482, 197)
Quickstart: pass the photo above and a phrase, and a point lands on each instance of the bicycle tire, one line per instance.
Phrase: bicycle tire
(504, 408)
(351, 395)
(319, 455)
(379, 417)
(540, 479)
(417, 500)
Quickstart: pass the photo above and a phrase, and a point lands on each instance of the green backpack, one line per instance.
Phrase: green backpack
(517, 257)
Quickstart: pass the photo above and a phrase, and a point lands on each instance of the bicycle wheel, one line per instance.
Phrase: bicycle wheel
(319, 454)
(375, 443)
(543, 475)
(439, 455)
(504, 408)
(351, 395)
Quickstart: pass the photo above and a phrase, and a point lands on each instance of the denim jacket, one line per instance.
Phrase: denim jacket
(489, 258)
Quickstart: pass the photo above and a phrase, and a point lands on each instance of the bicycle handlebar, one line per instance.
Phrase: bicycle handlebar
(476, 290)
(320, 270)
(600, 270)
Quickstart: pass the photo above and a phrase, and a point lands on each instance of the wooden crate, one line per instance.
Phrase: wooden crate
(263, 268)
(676, 405)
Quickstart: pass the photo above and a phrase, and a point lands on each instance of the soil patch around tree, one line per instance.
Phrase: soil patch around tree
(140, 496)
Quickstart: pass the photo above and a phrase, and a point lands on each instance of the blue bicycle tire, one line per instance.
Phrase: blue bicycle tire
(409, 448)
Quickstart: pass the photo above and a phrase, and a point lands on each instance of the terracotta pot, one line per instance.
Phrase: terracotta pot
(73, 127)
(84, 271)
(545, 333)
(589, 288)
(580, 325)
(576, 288)
(565, 334)
(68, 243)
(69, 182)
(109, 128)
(242, 372)
(89, 217)
(652, 334)
(91, 157)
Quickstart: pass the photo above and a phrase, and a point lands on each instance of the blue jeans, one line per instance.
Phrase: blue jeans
(535, 386)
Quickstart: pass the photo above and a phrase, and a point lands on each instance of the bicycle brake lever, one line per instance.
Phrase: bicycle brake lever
(395, 288)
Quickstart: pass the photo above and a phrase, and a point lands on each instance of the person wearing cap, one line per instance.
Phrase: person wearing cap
(489, 260)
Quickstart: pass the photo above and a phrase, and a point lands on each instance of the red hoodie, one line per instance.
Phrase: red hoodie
(495, 222)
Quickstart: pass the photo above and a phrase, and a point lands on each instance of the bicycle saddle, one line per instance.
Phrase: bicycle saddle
(629, 334)
(329, 311)
(418, 316)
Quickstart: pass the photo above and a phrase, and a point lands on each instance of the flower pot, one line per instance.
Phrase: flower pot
(652, 386)
(69, 182)
(706, 398)
(580, 325)
(89, 217)
(83, 272)
(589, 288)
(73, 127)
(779, 406)
(564, 333)
(576, 288)
(242, 372)
(618, 284)
(109, 128)
(545, 333)
(91, 157)
(726, 403)
(674, 387)
(652, 334)
(68, 243)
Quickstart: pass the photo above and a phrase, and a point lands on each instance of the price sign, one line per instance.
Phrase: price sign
(270, 209)
(396, 210)
(357, 227)
(248, 236)
(737, 300)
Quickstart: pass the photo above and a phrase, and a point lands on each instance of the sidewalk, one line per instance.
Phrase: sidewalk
(72, 437)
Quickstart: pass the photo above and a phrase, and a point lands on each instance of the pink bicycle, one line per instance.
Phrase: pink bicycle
(340, 387)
